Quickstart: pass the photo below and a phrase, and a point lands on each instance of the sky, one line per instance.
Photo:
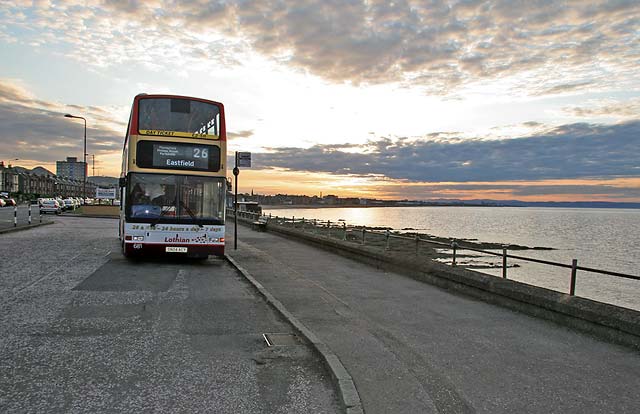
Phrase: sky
(525, 99)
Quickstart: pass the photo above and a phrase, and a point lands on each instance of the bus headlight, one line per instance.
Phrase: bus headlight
(138, 238)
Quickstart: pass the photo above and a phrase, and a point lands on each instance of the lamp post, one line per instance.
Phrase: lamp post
(84, 154)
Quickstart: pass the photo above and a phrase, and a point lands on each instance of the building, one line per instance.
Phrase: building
(24, 184)
(8, 178)
(71, 169)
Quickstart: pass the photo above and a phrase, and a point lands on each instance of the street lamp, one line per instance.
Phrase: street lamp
(84, 154)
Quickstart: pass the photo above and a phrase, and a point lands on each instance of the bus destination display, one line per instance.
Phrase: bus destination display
(167, 156)
(171, 155)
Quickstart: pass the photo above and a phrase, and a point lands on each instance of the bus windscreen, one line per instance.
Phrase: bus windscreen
(175, 198)
(178, 117)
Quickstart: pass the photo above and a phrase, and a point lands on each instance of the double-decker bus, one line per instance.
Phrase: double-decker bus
(173, 179)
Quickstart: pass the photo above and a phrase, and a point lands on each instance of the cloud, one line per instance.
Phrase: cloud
(620, 189)
(565, 88)
(240, 134)
(32, 129)
(607, 108)
(585, 190)
(565, 152)
(436, 45)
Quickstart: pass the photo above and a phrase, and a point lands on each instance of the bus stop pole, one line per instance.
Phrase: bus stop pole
(236, 171)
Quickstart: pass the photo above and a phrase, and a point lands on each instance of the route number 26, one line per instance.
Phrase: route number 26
(200, 153)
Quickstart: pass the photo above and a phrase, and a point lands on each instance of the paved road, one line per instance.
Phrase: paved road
(84, 330)
(6, 216)
(414, 348)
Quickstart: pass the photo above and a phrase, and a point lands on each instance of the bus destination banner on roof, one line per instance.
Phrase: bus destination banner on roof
(162, 133)
(172, 155)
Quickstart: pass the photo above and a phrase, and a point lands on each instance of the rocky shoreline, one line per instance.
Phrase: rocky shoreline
(462, 243)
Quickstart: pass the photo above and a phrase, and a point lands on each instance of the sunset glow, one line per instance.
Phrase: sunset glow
(457, 99)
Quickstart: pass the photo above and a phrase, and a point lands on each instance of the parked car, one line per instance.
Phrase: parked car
(50, 206)
(2, 202)
(61, 204)
(69, 204)
(9, 202)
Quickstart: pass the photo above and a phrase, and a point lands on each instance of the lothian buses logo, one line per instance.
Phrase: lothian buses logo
(176, 239)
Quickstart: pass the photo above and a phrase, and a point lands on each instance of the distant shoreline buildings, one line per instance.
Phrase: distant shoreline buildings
(303, 201)
(336, 201)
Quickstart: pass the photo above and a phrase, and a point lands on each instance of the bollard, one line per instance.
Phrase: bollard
(574, 269)
(29, 213)
(302, 223)
(40, 213)
(387, 236)
(344, 227)
(454, 245)
(293, 222)
(364, 230)
(15, 216)
(504, 263)
(417, 243)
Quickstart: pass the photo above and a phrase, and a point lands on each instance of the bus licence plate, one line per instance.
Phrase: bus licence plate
(175, 249)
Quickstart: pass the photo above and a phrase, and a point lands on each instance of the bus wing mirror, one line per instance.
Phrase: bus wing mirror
(122, 182)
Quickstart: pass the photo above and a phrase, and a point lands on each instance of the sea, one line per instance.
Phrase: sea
(607, 239)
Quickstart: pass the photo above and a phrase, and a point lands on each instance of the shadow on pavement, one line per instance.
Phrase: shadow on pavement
(120, 274)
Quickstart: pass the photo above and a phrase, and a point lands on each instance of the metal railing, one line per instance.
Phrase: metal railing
(358, 234)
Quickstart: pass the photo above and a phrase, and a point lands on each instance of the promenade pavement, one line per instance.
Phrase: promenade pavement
(415, 348)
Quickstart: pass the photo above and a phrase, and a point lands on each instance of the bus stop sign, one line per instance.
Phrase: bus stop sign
(244, 159)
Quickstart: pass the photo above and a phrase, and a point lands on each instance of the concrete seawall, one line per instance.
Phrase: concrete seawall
(612, 323)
